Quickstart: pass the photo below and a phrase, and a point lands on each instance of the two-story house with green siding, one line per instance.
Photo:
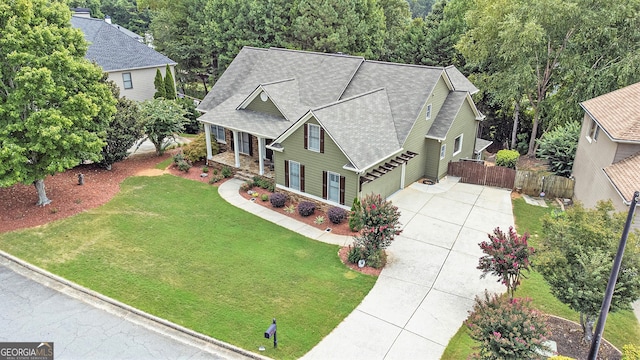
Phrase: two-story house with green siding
(335, 127)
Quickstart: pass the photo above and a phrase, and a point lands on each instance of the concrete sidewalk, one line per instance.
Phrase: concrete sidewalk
(427, 288)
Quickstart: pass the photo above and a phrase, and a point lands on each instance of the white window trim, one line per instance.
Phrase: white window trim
(215, 129)
(124, 82)
(443, 151)
(596, 132)
(329, 173)
(429, 109)
(313, 126)
(461, 137)
(291, 162)
(240, 147)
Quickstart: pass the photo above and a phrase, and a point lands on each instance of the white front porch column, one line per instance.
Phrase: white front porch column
(261, 153)
(207, 137)
(236, 147)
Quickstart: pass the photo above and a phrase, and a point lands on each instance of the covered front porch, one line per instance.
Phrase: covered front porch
(247, 163)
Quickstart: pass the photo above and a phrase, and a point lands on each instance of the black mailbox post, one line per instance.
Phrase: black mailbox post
(271, 331)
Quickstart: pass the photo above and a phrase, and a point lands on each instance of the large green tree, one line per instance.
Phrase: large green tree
(54, 104)
(161, 119)
(355, 27)
(577, 256)
(521, 42)
(123, 130)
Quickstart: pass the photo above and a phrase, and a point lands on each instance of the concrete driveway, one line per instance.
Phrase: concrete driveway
(426, 290)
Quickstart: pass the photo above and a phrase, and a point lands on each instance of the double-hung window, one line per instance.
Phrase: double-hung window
(126, 80)
(333, 187)
(457, 145)
(244, 146)
(314, 137)
(218, 131)
(443, 151)
(294, 175)
(429, 111)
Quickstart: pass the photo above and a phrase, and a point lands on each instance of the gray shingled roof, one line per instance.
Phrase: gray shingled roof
(358, 122)
(459, 81)
(321, 77)
(358, 102)
(447, 114)
(113, 50)
(407, 87)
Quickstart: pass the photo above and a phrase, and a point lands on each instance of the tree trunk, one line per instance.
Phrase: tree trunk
(42, 194)
(587, 322)
(516, 118)
(532, 142)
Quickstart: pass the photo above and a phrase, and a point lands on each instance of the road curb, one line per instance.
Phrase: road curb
(156, 321)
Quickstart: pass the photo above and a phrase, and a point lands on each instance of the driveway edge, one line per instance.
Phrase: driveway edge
(154, 320)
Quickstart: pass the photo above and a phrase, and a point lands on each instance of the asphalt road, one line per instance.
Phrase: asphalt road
(86, 328)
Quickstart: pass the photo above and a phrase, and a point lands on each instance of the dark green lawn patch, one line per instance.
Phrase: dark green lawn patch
(164, 163)
(172, 247)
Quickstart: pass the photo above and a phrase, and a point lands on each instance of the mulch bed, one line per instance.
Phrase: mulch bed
(568, 335)
(339, 229)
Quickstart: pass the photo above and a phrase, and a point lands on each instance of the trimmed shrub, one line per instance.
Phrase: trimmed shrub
(355, 216)
(306, 208)
(178, 157)
(227, 172)
(205, 169)
(196, 150)
(264, 197)
(337, 214)
(355, 254)
(246, 186)
(277, 200)
(183, 166)
(377, 259)
(506, 329)
(508, 158)
(559, 147)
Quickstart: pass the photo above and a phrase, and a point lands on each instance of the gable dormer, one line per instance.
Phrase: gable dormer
(260, 101)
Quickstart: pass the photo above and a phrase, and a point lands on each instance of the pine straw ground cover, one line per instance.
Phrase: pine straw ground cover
(174, 248)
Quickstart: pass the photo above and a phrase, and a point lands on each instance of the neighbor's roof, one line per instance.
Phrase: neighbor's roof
(617, 112)
(113, 50)
(625, 176)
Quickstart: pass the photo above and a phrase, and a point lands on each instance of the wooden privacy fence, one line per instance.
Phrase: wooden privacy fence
(533, 184)
(476, 173)
(527, 182)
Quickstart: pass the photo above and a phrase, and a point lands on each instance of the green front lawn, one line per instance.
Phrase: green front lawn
(622, 327)
(172, 247)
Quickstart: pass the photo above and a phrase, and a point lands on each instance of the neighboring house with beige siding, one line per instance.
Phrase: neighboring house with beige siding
(129, 63)
(335, 127)
(607, 162)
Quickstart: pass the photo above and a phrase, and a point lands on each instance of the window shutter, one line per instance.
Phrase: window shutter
(342, 186)
(302, 178)
(250, 145)
(306, 136)
(324, 184)
(231, 141)
(321, 140)
(286, 173)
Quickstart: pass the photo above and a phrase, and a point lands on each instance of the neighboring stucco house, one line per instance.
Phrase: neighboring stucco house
(335, 126)
(607, 163)
(128, 62)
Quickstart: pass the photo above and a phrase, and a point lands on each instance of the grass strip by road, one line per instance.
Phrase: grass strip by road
(172, 247)
(622, 327)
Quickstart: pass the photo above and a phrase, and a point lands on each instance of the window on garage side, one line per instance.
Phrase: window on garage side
(457, 145)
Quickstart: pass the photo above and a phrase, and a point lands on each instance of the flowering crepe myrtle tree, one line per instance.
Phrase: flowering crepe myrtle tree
(507, 256)
(506, 328)
(380, 224)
